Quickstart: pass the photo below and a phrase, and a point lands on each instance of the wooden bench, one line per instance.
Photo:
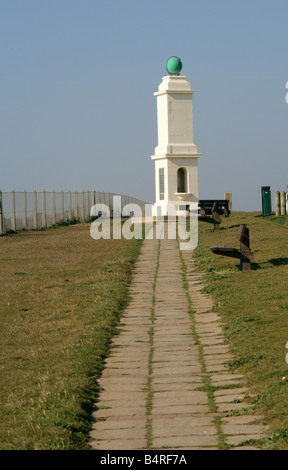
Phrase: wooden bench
(205, 206)
(243, 253)
(214, 219)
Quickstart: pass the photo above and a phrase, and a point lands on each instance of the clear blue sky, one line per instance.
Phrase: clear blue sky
(77, 109)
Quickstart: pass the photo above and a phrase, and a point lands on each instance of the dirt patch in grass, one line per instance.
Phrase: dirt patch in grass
(62, 294)
(254, 308)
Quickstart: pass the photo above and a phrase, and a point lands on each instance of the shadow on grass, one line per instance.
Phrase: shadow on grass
(254, 267)
(231, 226)
(270, 263)
(278, 261)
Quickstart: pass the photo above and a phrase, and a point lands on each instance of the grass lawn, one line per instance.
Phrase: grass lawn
(254, 309)
(62, 293)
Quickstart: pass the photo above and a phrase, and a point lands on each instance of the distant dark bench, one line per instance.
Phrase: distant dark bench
(214, 219)
(243, 253)
(205, 206)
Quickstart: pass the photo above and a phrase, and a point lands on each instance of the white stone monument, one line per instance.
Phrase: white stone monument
(176, 156)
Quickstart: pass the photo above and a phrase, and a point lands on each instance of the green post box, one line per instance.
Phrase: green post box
(266, 200)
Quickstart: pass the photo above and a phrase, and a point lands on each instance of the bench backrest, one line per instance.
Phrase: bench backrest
(243, 237)
(210, 202)
(210, 205)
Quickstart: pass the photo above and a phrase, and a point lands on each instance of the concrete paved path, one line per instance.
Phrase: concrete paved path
(165, 384)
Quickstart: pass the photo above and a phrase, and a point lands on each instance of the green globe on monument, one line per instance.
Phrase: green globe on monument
(174, 65)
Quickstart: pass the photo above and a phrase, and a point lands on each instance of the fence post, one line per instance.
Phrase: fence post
(93, 199)
(124, 202)
(87, 212)
(228, 197)
(1, 215)
(43, 209)
(76, 205)
(61, 206)
(283, 203)
(104, 198)
(142, 205)
(69, 206)
(53, 207)
(82, 206)
(35, 225)
(13, 217)
(110, 205)
(277, 203)
(24, 210)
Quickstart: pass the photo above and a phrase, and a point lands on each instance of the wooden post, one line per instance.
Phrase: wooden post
(124, 202)
(35, 225)
(277, 203)
(110, 205)
(1, 216)
(53, 204)
(82, 206)
(69, 205)
(76, 205)
(13, 216)
(43, 209)
(61, 206)
(105, 202)
(24, 210)
(93, 199)
(87, 211)
(111, 202)
(228, 197)
(283, 203)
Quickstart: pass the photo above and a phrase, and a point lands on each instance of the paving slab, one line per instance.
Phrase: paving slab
(183, 442)
(109, 412)
(154, 377)
(118, 444)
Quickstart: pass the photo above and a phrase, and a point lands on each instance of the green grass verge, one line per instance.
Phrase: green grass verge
(62, 294)
(254, 309)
